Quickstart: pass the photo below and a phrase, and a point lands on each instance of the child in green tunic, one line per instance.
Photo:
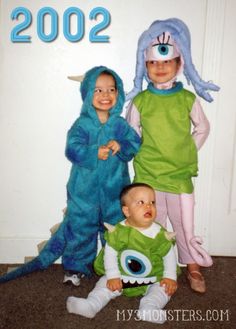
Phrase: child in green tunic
(163, 115)
(139, 259)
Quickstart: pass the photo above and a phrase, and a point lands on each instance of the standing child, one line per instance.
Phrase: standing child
(99, 144)
(139, 259)
(163, 114)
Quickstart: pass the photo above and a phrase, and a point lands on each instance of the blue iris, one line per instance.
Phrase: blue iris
(163, 49)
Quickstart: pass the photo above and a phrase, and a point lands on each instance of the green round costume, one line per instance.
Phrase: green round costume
(167, 159)
(140, 258)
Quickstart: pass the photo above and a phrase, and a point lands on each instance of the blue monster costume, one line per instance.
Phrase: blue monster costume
(94, 185)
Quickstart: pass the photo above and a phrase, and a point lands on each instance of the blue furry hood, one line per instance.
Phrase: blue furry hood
(87, 90)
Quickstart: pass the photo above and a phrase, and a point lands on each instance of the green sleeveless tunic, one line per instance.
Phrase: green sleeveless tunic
(167, 159)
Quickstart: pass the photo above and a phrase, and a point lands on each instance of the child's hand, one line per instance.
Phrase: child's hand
(114, 284)
(170, 286)
(103, 152)
(114, 146)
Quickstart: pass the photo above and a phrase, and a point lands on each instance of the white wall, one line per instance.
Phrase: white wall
(38, 104)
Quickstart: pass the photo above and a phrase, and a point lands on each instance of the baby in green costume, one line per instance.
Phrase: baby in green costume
(139, 259)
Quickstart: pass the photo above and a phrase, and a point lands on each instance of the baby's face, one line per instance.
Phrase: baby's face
(140, 209)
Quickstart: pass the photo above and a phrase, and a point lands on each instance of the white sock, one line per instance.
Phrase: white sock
(98, 298)
(152, 304)
(80, 306)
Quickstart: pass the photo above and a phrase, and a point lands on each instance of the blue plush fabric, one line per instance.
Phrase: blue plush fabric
(94, 185)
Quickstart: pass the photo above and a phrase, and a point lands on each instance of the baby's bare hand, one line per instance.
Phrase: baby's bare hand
(114, 284)
(114, 146)
(170, 286)
(103, 152)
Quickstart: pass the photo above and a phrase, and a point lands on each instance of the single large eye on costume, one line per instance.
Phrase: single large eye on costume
(135, 263)
(164, 50)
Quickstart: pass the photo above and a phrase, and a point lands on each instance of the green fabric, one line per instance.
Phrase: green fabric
(125, 238)
(167, 159)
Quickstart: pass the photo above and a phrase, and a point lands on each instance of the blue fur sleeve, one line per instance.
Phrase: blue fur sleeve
(78, 149)
(128, 139)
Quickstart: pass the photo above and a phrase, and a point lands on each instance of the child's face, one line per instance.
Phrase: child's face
(162, 71)
(105, 93)
(140, 209)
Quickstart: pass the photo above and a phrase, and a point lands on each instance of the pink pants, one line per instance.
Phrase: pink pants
(169, 205)
(179, 208)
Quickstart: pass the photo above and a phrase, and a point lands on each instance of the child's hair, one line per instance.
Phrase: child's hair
(110, 74)
(88, 85)
(177, 59)
(128, 188)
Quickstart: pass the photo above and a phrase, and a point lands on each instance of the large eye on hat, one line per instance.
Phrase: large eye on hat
(162, 48)
(163, 51)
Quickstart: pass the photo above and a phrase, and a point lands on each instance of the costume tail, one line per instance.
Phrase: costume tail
(29, 267)
(47, 256)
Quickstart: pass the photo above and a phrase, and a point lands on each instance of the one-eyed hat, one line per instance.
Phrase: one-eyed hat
(162, 48)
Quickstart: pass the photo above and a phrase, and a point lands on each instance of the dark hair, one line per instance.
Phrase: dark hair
(105, 72)
(128, 188)
(178, 59)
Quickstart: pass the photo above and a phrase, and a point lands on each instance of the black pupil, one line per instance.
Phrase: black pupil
(134, 265)
(163, 49)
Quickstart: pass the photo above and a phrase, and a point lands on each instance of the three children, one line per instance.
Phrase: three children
(99, 145)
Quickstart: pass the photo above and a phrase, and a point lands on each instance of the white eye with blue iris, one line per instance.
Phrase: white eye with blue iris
(164, 50)
(135, 263)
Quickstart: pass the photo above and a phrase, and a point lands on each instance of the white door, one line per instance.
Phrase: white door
(216, 189)
(33, 172)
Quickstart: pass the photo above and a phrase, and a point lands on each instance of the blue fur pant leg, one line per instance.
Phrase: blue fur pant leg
(54, 247)
(81, 235)
(112, 214)
(82, 256)
(85, 218)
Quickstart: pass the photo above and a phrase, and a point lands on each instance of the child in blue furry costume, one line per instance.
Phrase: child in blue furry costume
(95, 181)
